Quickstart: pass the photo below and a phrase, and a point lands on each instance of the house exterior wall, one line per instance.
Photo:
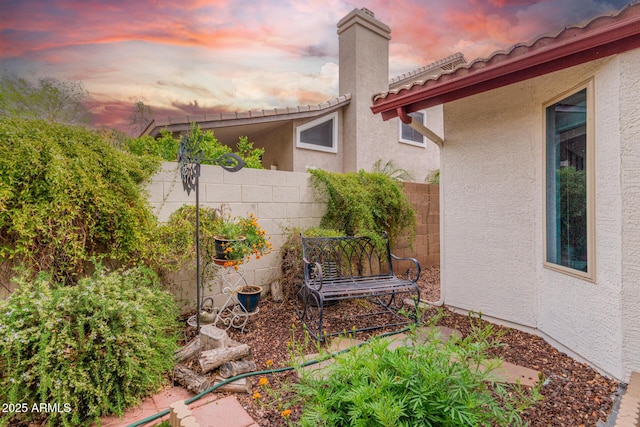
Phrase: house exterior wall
(630, 181)
(278, 147)
(305, 158)
(492, 214)
(364, 70)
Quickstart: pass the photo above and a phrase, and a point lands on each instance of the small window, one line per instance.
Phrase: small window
(409, 135)
(319, 134)
(568, 183)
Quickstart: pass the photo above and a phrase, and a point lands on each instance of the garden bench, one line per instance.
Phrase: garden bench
(341, 268)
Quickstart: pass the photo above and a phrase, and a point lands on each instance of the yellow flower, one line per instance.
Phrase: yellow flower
(257, 395)
(286, 413)
(269, 363)
(263, 381)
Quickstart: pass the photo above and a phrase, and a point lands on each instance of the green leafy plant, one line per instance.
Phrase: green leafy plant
(392, 171)
(431, 383)
(67, 196)
(166, 147)
(365, 203)
(49, 99)
(433, 177)
(94, 349)
(242, 237)
(176, 238)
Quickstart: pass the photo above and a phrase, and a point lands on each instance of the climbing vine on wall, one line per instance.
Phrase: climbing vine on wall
(365, 202)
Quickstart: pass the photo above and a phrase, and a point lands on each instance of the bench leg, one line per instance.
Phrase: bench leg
(310, 307)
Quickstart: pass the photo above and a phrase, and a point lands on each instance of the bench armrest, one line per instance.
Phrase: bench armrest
(410, 270)
(312, 274)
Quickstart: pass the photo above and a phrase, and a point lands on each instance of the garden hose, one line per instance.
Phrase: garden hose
(265, 372)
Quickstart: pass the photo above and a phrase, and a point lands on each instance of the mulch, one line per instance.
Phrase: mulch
(574, 394)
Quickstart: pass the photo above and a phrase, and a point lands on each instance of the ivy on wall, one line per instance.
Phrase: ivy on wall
(362, 202)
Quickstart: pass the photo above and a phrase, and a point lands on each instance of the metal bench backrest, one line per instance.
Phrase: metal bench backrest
(346, 257)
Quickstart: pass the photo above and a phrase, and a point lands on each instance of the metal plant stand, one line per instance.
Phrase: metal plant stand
(231, 313)
(190, 156)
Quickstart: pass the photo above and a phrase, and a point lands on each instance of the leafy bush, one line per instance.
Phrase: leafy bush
(433, 177)
(67, 196)
(166, 147)
(94, 349)
(431, 383)
(365, 203)
(291, 257)
(176, 237)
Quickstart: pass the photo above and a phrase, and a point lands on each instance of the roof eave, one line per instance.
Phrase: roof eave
(212, 121)
(605, 41)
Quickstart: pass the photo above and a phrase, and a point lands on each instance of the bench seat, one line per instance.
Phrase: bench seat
(342, 268)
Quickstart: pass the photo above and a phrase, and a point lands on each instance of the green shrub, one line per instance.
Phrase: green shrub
(94, 349)
(166, 147)
(176, 237)
(365, 203)
(431, 383)
(67, 197)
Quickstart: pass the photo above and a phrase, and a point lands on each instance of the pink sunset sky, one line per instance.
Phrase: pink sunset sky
(201, 56)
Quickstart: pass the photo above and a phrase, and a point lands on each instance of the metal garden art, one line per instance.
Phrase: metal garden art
(190, 156)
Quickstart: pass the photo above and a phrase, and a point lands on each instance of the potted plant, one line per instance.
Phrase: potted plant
(238, 238)
(249, 297)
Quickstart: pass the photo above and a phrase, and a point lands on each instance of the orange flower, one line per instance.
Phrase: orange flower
(286, 413)
(257, 395)
(269, 363)
(263, 381)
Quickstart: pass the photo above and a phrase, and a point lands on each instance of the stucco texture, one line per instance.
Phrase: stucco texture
(492, 225)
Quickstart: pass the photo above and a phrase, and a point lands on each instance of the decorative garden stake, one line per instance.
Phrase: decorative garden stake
(190, 155)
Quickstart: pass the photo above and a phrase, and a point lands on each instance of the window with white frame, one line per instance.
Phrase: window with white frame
(319, 134)
(409, 135)
(569, 204)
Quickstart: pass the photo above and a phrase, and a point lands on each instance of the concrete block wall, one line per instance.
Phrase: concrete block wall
(425, 199)
(279, 199)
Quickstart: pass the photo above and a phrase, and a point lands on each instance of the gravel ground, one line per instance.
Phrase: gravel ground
(574, 394)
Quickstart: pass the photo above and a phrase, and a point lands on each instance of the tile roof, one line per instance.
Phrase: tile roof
(449, 62)
(246, 117)
(599, 37)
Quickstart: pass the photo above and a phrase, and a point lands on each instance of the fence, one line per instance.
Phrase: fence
(280, 200)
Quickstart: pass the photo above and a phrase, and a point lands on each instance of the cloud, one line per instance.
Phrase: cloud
(194, 88)
(197, 56)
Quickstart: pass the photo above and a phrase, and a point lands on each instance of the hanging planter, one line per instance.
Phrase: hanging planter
(249, 297)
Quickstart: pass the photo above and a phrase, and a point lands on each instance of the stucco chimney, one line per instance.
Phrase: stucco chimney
(363, 71)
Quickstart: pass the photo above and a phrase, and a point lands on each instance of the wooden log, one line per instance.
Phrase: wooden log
(191, 380)
(243, 385)
(189, 351)
(211, 359)
(231, 369)
(212, 338)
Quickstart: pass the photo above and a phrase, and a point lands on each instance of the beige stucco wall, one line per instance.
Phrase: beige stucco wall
(277, 144)
(492, 215)
(630, 181)
(305, 158)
